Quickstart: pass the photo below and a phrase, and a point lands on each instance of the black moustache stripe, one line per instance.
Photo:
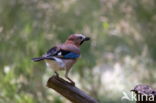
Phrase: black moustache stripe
(81, 42)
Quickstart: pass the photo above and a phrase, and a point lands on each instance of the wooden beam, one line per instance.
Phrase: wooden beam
(69, 91)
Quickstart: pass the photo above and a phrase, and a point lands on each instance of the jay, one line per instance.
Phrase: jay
(63, 56)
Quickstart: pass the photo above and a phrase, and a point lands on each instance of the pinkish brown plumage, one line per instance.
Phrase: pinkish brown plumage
(64, 56)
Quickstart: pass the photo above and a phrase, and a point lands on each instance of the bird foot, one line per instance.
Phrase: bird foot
(57, 75)
(72, 83)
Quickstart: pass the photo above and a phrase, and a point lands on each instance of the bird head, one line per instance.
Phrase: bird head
(77, 39)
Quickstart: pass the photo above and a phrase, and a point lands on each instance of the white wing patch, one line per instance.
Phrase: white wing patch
(59, 54)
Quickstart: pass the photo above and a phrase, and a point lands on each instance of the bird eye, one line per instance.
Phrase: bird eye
(80, 37)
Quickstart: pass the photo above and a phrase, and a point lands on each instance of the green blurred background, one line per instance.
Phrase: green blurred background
(121, 54)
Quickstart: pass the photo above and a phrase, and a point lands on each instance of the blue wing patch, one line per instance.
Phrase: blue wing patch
(72, 55)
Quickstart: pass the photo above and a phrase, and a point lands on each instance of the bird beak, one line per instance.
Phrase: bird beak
(87, 38)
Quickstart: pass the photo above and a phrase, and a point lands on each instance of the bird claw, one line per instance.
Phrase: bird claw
(56, 74)
(72, 83)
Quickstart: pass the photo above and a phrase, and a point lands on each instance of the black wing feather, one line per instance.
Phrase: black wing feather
(64, 54)
(55, 52)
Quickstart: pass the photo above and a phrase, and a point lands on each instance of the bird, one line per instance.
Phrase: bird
(64, 56)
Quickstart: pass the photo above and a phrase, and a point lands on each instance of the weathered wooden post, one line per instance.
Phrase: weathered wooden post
(69, 91)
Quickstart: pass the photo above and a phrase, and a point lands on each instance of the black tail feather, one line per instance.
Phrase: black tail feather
(42, 58)
(37, 59)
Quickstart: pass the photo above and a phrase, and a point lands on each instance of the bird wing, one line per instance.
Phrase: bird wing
(60, 53)
(52, 52)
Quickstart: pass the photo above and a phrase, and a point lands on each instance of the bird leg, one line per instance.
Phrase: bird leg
(56, 74)
(66, 75)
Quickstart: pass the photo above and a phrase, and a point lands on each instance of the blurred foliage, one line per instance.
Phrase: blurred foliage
(121, 54)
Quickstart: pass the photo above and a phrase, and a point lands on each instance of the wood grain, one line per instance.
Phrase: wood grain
(70, 92)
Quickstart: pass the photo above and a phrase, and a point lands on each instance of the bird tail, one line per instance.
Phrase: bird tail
(37, 59)
(42, 58)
